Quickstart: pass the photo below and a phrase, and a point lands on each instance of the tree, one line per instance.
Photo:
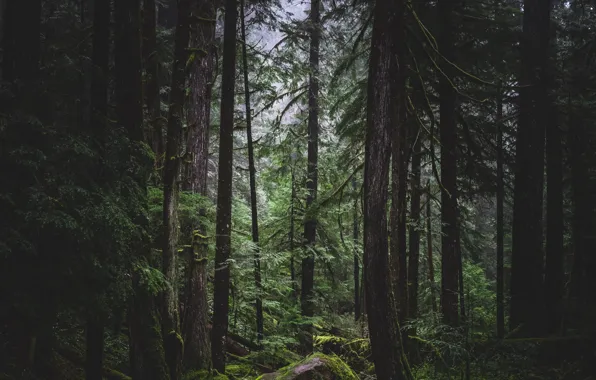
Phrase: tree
(414, 230)
(310, 222)
(99, 112)
(170, 315)
(527, 295)
(500, 221)
(197, 345)
(383, 87)
(152, 87)
(224, 192)
(253, 186)
(147, 355)
(448, 138)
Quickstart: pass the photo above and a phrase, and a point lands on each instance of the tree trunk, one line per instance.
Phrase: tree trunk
(253, 186)
(170, 315)
(99, 108)
(414, 234)
(527, 295)
(224, 192)
(383, 88)
(500, 221)
(555, 255)
(197, 345)
(152, 99)
(94, 352)
(356, 232)
(448, 137)
(429, 249)
(399, 176)
(310, 223)
(147, 355)
(291, 237)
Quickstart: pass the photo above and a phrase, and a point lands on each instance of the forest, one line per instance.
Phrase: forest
(297, 189)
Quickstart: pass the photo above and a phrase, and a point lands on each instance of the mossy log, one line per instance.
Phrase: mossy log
(315, 367)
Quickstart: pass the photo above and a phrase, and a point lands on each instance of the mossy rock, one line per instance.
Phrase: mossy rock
(315, 367)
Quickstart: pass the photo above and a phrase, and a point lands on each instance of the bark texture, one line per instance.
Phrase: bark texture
(382, 91)
(197, 347)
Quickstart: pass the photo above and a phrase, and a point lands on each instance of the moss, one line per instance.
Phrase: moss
(204, 375)
(321, 366)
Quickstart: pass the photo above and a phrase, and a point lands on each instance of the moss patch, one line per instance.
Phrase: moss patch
(315, 367)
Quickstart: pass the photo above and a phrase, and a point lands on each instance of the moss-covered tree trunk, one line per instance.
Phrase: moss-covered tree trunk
(223, 226)
(197, 345)
(383, 89)
(170, 316)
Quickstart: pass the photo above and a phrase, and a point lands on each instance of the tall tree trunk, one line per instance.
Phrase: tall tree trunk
(527, 293)
(170, 315)
(224, 192)
(356, 232)
(310, 223)
(414, 233)
(382, 90)
(94, 331)
(253, 186)
(197, 345)
(555, 255)
(448, 137)
(147, 355)
(429, 249)
(99, 108)
(152, 99)
(500, 221)
(291, 237)
(399, 176)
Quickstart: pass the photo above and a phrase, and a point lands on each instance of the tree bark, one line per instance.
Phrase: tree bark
(356, 232)
(253, 186)
(310, 223)
(429, 249)
(170, 315)
(500, 221)
(197, 347)
(414, 233)
(399, 176)
(224, 192)
(382, 90)
(448, 138)
(527, 293)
